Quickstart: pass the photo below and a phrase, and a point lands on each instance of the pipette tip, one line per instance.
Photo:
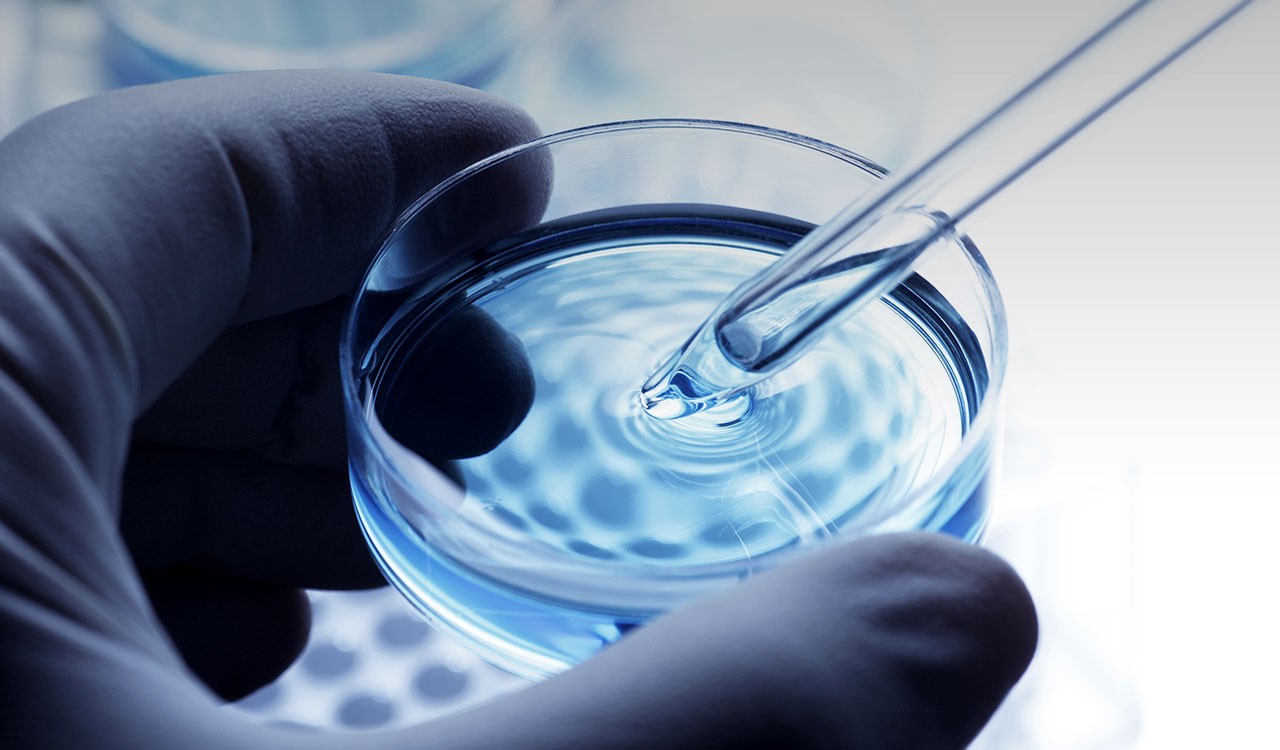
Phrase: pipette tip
(671, 396)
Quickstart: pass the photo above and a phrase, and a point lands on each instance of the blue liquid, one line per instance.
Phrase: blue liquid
(593, 516)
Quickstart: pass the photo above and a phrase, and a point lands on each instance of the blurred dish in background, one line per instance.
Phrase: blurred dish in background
(464, 42)
(855, 74)
(15, 52)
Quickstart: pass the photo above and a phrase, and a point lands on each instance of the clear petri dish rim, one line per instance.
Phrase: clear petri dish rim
(981, 429)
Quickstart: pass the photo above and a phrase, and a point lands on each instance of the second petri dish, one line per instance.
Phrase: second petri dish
(156, 40)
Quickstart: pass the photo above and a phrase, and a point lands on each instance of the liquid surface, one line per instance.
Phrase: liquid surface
(589, 473)
(596, 499)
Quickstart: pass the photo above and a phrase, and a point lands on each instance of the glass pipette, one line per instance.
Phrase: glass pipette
(871, 245)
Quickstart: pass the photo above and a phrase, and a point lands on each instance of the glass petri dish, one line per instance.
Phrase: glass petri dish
(155, 40)
(504, 473)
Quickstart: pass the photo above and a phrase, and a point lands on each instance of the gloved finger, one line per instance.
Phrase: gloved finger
(272, 387)
(461, 392)
(239, 514)
(260, 488)
(902, 641)
(180, 208)
(235, 635)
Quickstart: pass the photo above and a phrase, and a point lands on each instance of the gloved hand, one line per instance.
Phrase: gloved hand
(172, 265)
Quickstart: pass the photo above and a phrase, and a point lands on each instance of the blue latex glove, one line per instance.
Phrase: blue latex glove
(172, 262)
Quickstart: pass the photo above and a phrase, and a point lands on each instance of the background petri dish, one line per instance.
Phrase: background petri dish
(856, 74)
(155, 40)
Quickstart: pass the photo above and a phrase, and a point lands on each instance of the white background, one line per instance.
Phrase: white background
(1141, 267)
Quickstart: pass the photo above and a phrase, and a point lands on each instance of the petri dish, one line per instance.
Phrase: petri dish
(860, 75)
(155, 40)
(504, 473)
